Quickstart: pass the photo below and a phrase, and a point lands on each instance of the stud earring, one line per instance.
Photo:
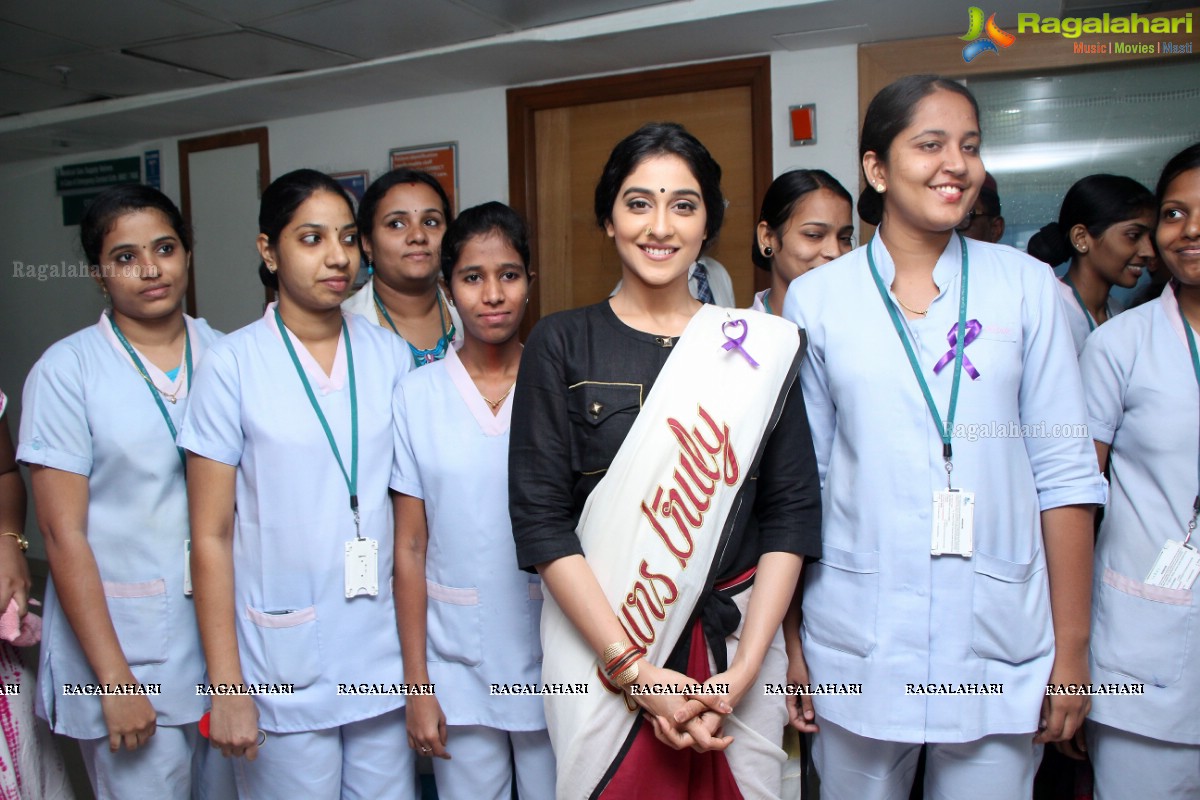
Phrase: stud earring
(768, 251)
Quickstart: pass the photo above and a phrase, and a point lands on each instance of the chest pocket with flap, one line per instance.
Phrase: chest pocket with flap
(601, 415)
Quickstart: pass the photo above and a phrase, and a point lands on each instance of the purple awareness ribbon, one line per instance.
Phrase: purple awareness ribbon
(736, 344)
(973, 331)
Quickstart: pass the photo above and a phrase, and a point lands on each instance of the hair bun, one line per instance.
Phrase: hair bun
(870, 206)
(1050, 245)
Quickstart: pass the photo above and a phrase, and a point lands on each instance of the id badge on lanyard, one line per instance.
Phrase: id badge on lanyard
(953, 523)
(361, 564)
(1178, 563)
(953, 512)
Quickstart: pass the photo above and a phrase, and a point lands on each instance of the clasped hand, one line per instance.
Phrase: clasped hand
(694, 720)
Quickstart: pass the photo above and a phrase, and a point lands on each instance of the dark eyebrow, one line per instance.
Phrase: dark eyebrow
(936, 132)
(125, 245)
(317, 226)
(640, 190)
(406, 212)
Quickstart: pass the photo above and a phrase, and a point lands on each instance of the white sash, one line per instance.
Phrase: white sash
(652, 528)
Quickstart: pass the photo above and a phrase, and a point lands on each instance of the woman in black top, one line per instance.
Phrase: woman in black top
(584, 376)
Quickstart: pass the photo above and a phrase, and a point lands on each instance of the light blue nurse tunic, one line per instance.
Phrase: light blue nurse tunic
(292, 518)
(879, 610)
(1143, 401)
(484, 612)
(87, 410)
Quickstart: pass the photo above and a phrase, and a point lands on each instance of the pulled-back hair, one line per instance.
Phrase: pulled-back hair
(1095, 202)
(663, 139)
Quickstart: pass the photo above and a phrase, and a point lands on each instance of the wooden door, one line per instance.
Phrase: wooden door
(222, 178)
(564, 134)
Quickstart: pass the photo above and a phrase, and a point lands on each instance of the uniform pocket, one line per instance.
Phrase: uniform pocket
(535, 619)
(842, 599)
(601, 415)
(139, 616)
(289, 643)
(1141, 631)
(1011, 609)
(454, 631)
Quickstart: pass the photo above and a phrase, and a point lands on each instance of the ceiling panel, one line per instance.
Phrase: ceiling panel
(244, 54)
(828, 37)
(114, 74)
(378, 28)
(524, 14)
(20, 94)
(245, 13)
(21, 44)
(110, 24)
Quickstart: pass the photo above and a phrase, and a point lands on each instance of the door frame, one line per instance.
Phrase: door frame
(523, 103)
(256, 136)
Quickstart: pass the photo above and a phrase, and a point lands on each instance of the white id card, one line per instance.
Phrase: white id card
(1176, 567)
(953, 523)
(187, 567)
(362, 567)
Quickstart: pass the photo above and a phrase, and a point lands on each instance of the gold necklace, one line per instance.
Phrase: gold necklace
(172, 397)
(924, 313)
(494, 404)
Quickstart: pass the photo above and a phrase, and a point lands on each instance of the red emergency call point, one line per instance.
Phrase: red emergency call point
(803, 124)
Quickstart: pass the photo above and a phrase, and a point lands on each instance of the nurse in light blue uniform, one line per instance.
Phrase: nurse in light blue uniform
(954, 650)
(289, 435)
(1142, 373)
(401, 221)
(455, 554)
(1103, 229)
(98, 431)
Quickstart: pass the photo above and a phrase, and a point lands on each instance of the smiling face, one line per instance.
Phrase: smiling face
(1178, 232)
(658, 221)
(489, 284)
(406, 235)
(1121, 253)
(144, 267)
(316, 254)
(932, 172)
(818, 231)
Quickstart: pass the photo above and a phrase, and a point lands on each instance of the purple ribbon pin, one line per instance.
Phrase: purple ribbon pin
(973, 331)
(736, 343)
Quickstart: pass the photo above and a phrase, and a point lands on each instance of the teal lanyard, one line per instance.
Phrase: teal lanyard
(1191, 340)
(1086, 314)
(154, 391)
(767, 301)
(351, 477)
(944, 430)
(435, 353)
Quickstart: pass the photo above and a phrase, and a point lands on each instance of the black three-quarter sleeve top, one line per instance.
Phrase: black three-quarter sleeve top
(584, 377)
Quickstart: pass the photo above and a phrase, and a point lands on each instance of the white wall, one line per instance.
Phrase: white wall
(341, 141)
(829, 78)
(35, 313)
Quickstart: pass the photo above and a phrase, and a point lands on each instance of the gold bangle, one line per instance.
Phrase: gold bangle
(630, 675)
(615, 649)
(22, 542)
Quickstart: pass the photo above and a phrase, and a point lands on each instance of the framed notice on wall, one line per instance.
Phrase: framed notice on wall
(353, 182)
(439, 160)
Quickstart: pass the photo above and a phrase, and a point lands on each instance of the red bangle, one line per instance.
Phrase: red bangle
(611, 665)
